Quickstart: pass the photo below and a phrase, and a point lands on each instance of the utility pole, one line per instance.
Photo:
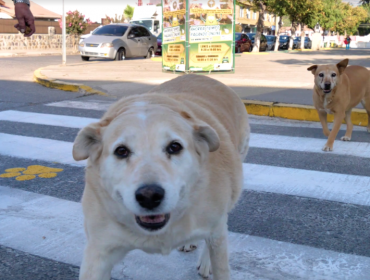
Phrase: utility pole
(64, 47)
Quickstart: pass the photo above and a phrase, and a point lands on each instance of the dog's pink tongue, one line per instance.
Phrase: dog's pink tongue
(153, 219)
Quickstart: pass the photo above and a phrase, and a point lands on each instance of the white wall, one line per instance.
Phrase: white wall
(4, 15)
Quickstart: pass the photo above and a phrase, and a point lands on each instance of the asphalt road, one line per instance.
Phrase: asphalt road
(303, 214)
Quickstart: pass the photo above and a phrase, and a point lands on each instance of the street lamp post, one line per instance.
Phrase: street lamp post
(64, 37)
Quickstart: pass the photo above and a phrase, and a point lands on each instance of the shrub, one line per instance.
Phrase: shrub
(76, 24)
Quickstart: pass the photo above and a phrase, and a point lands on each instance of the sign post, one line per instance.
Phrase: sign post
(198, 36)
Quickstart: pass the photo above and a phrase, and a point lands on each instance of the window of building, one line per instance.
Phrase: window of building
(241, 12)
(254, 15)
(248, 14)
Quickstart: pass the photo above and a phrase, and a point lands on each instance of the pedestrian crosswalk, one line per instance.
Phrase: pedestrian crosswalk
(294, 221)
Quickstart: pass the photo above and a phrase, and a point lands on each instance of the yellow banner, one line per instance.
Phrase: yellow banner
(207, 53)
(175, 13)
(214, 11)
(176, 49)
(213, 48)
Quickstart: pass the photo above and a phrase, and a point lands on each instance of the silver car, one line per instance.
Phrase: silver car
(118, 41)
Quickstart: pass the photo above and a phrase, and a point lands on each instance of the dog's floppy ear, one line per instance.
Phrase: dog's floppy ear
(342, 65)
(205, 133)
(313, 69)
(88, 142)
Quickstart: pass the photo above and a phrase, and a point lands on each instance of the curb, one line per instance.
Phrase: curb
(258, 108)
(25, 54)
(156, 59)
(256, 53)
(297, 112)
(52, 83)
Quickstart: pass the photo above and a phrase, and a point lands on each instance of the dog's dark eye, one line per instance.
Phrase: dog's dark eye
(174, 148)
(333, 75)
(122, 152)
(321, 75)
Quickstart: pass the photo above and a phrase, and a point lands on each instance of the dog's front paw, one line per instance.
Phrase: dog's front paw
(204, 268)
(187, 248)
(345, 138)
(326, 148)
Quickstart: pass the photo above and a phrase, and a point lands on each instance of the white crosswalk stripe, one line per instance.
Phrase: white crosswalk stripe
(52, 227)
(61, 226)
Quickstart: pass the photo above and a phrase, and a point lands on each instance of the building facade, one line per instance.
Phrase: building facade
(148, 2)
(247, 19)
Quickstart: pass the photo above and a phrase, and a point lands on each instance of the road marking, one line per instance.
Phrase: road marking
(54, 230)
(311, 145)
(45, 119)
(37, 149)
(322, 185)
(290, 143)
(86, 105)
(30, 172)
(293, 123)
(307, 183)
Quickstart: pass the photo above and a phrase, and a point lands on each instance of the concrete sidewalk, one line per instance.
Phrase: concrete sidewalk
(17, 53)
(274, 78)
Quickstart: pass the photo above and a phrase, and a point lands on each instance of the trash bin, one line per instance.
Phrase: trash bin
(325, 44)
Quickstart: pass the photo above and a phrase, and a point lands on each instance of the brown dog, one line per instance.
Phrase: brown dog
(338, 89)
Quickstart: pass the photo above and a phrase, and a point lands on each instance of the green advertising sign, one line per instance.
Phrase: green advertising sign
(198, 35)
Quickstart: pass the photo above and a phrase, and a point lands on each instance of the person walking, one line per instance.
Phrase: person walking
(347, 41)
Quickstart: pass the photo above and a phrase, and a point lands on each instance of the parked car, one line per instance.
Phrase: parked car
(242, 43)
(159, 45)
(271, 42)
(263, 41)
(297, 43)
(284, 42)
(118, 41)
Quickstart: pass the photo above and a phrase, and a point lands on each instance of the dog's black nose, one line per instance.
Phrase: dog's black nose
(327, 86)
(149, 196)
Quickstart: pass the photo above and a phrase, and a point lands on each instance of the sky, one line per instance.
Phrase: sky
(93, 9)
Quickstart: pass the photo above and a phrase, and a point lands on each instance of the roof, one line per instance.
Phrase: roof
(7, 7)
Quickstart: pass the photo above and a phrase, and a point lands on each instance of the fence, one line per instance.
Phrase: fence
(14, 42)
(7, 26)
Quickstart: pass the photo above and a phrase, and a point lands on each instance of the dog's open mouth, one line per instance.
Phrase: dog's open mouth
(152, 222)
(327, 91)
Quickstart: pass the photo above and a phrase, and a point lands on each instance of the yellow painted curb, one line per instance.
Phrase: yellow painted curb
(256, 53)
(297, 112)
(157, 59)
(51, 83)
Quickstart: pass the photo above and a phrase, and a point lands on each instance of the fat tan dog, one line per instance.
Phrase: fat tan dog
(338, 89)
(164, 169)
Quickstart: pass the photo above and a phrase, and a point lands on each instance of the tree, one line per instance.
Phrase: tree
(75, 23)
(329, 15)
(364, 2)
(299, 12)
(129, 12)
(116, 19)
(352, 17)
(286, 21)
(260, 6)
